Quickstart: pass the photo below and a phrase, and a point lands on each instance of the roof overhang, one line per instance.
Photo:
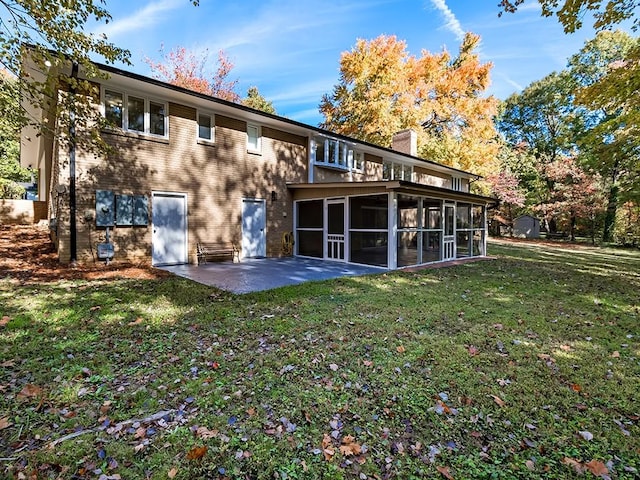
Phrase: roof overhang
(126, 79)
(398, 186)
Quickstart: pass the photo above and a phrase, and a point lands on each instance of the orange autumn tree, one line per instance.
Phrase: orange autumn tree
(384, 89)
(186, 69)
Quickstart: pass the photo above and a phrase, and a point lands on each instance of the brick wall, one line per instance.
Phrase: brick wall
(215, 177)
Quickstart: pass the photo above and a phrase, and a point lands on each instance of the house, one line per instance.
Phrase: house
(526, 226)
(185, 168)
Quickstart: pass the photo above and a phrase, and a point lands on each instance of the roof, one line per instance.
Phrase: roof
(400, 186)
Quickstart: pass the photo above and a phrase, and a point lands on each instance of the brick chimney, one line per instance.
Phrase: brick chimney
(405, 141)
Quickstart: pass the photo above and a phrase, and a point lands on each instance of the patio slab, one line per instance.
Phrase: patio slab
(256, 274)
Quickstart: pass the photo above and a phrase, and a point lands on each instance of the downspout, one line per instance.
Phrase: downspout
(72, 167)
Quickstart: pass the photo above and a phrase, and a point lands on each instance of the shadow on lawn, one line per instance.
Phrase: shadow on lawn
(130, 332)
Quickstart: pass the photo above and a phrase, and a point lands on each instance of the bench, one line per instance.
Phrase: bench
(205, 250)
(556, 235)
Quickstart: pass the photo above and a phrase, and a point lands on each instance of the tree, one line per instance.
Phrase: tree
(607, 72)
(542, 117)
(570, 114)
(505, 186)
(576, 194)
(10, 124)
(186, 69)
(383, 89)
(54, 32)
(255, 100)
(540, 123)
(571, 13)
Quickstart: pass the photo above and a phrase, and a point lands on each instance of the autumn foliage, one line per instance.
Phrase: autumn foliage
(384, 89)
(187, 69)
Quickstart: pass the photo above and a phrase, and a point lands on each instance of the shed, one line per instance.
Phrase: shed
(526, 226)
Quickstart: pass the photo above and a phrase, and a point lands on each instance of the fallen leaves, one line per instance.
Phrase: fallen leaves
(4, 321)
(5, 423)
(197, 453)
(327, 447)
(595, 467)
(350, 447)
(498, 401)
(473, 350)
(172, 473)
(29, 391)
(444, 471)
(401, 349)
(137, 321)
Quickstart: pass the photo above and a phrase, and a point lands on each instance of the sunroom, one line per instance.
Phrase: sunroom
(390, 224)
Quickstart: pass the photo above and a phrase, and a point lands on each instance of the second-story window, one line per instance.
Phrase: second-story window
(156, 118)
(253, 139)
(206, 129)
(135, 113)
(114, 108)
(358, 161)
(396, 171)
(456, 183)
(337, 154)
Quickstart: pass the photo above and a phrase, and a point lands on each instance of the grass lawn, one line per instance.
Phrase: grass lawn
(527, 366)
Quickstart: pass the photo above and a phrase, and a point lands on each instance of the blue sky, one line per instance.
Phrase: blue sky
(290, 49)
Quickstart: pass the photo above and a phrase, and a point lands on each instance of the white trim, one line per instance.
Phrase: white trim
(392, 231)
(146, 115)
(311, 161)
(263, 202)
(392, 166)
(185, 196)
(258, 148)
(212, 126)
(448, 239)
(345, 230)
(122, 81)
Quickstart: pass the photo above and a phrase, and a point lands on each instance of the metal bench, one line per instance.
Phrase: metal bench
(217, 250)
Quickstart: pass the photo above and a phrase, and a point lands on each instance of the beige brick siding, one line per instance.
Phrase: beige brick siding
(215, 177)
(427, 177)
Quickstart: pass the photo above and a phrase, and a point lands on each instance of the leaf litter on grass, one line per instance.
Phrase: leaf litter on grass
(284, 389)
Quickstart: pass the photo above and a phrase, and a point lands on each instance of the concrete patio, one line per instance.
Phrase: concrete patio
(255, 274)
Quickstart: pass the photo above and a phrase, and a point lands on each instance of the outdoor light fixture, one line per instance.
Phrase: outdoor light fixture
(274, 196)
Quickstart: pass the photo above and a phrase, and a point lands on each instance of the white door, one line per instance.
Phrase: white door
(449, 238)
(254, 228)
(335, 230)
(169, 224)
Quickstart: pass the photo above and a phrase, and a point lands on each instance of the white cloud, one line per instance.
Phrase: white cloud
(146, 18)
(513, 83)
(452, 23)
